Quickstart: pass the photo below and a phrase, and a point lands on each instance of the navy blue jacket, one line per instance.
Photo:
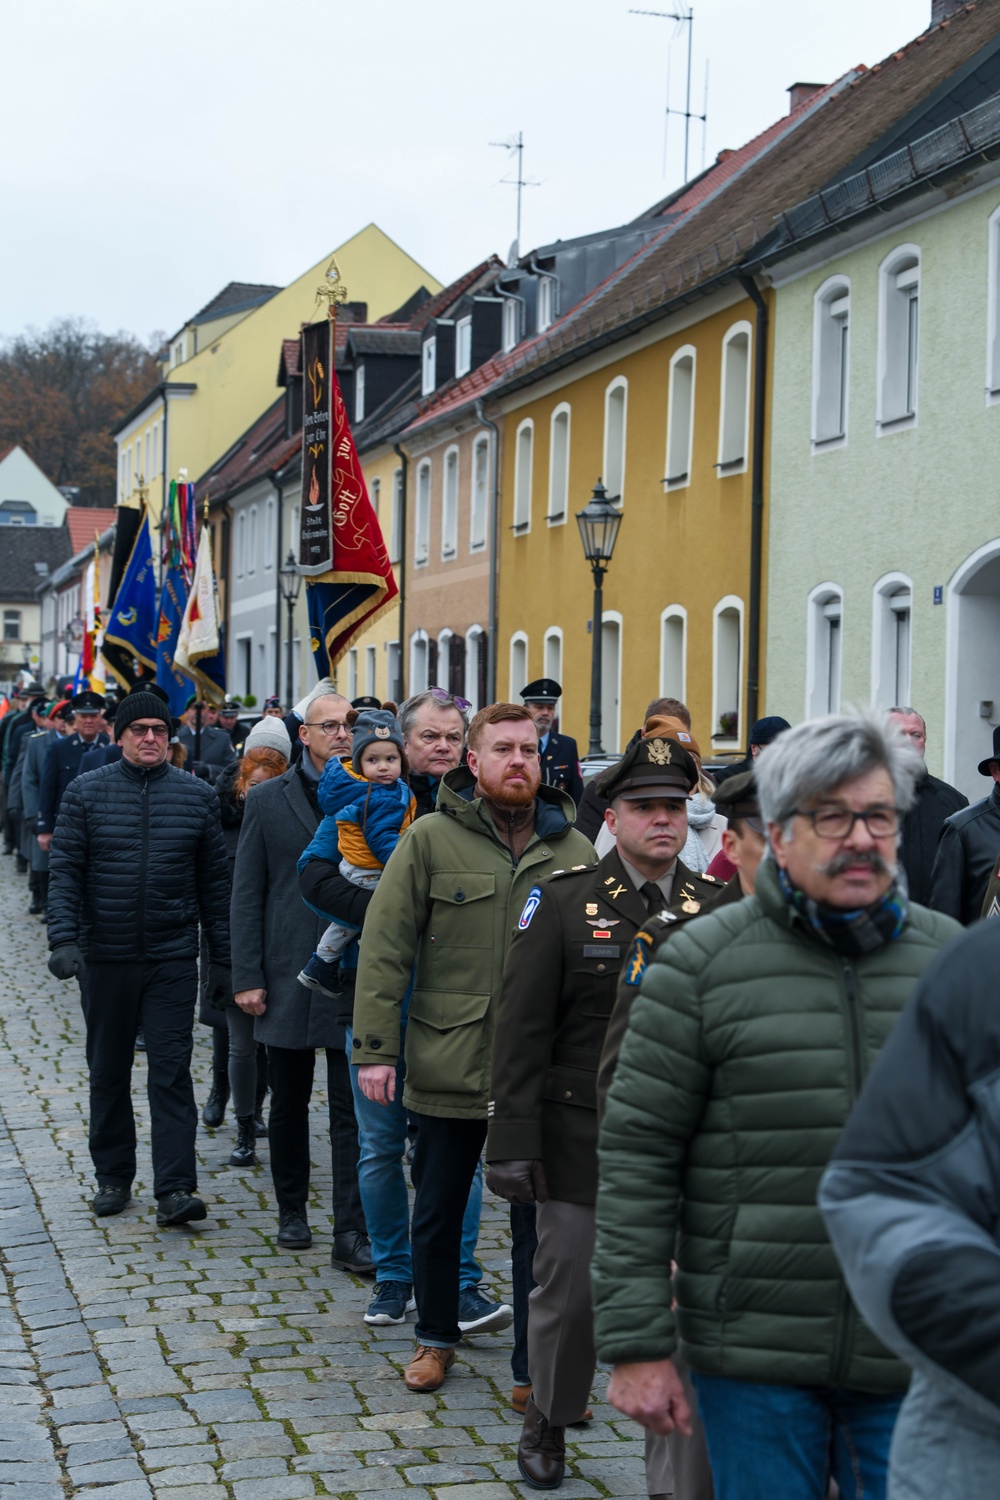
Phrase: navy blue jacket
(62, 764)
(560, 762)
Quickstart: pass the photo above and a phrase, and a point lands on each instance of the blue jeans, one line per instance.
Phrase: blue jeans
(788, 1440)
(382, 1141)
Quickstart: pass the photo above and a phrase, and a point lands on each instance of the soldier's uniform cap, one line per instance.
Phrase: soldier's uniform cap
(367, 701)
(65, 710)
(191, 702)
(35, 695)
(654, 767)
(737, 798)
(542, 690)
(230, 707)
(275, 702)
(88, 703)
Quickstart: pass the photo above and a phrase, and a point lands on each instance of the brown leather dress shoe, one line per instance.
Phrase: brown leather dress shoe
(428, 1367)
(541, 1451)
(519, 1401)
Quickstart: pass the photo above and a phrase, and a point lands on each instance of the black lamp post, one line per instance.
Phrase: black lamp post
(598, 522)
(291, 581)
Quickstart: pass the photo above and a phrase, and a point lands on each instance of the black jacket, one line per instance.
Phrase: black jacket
(560, 762)
(935, 802)
(966, 855)
(137, 861)
(100, 755)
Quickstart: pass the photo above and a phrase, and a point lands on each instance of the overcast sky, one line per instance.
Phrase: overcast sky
(153, 152)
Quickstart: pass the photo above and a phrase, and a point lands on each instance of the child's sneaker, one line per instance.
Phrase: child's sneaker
(319, 975)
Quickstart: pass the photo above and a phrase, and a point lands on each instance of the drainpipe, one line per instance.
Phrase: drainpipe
(494, 532)
(280, 491)
(404, 459)
(752, 290)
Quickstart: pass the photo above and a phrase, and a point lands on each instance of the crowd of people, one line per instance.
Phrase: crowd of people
(719, 1039)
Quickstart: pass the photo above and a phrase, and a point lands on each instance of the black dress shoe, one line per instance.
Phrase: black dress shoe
(22, 865)
(293, 1230)
(110, 1198)
(353, 1252)
(179, 1207)
(215, 1105)
(541, 1451)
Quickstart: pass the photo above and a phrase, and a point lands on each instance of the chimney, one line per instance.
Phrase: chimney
(726, 151)
(942, 9)
(800, 92)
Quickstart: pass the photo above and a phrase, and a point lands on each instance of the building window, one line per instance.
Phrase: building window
(673, 652)
(518, 666)
(396, 519)
(680, 418)
(419, 662)
(177, 354)
(615, 414)
(371, 659)
(376, 492)
(475, 667)
(831, 362)
(294, 537)
(480, 494)
(359, 397)
(12, 624)
(449, 504)
(559, 465)
(824, 650)
(727, 671)
(428, 367)
(252, 540)
(611, 681)
(146, 447)
(546, 302)
(422, 519)
(891, 640)
(393, 665)
(241, 547)
(463, 346)
(352, 673)
(734, 416)
(993, 310)
(244, 658)
(524, 443)
(155, 463)
(270, 533)
(899, 336)
(552, 654)
(511, 322)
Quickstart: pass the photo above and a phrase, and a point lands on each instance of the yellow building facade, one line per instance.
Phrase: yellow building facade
(665, 418)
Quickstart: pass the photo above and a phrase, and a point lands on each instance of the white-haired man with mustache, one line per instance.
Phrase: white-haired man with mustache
(743, 1059)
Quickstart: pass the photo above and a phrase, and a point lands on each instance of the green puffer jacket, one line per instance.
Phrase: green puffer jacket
(448, 902)
(746, 1050)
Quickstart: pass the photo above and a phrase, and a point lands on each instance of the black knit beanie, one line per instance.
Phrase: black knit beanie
(140, 706)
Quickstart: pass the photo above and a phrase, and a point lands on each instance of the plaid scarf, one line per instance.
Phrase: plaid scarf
(852, 933)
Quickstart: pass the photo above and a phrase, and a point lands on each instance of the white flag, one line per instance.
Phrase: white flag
(199, 632)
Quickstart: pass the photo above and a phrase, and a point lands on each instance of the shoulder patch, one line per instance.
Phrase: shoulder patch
(530, 907)
(638, 959)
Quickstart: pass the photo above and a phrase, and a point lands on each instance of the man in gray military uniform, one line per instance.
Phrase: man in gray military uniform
(210, 750)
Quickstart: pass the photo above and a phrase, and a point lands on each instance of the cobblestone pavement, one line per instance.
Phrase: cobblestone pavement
(203, 1363)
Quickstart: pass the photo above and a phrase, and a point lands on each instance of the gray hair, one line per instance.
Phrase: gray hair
(437, 698)
(909, 713)
(810, 761)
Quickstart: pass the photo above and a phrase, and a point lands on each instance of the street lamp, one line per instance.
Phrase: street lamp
(598, 522)
(290, 580)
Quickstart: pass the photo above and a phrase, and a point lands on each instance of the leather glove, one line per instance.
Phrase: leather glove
(66, 961)
(220, 985)
(518, 1181)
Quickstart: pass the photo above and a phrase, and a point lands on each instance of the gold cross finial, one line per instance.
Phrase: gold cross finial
(332, 288)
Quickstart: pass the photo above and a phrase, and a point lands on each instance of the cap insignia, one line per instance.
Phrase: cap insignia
(658, 751)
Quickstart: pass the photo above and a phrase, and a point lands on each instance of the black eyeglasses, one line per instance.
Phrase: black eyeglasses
(328, 726)
(440, 696)
(838, 822)
(142, 731)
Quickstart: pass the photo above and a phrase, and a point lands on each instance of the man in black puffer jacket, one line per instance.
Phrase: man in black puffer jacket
(137, 861)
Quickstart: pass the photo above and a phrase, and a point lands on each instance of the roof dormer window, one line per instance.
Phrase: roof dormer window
(428, 366)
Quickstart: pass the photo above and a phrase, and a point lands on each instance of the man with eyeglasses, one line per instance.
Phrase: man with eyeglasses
(137, 863)
(273, 933)
(743, 1058)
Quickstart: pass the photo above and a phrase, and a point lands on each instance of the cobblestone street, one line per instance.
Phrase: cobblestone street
(203, 1362)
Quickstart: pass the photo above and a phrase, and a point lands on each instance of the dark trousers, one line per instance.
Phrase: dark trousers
(523, 1244)
(444, 1161)
(290, 1076)
(117, 999)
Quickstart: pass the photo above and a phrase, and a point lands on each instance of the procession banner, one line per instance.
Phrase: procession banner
(173, 600)
(315, 525)
(130, 635)
(199, 650)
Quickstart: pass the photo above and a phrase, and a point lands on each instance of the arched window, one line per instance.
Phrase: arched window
(518, 665)
(419, 662)
(552, 654)
(898, 337)
(615, 426)
(734, 412)
(241, 543)
(680, 418)
(396, 520)
(422, 518)
(673, 652)
(824, 649)
(611, 680)
(559, 466)
(524, 443)
(478, 518)
(270, 532)
(727, 672)
(892, 610)
(252, 540)
(993, 309)
(449, 505)
(475, 667)
(831, 360)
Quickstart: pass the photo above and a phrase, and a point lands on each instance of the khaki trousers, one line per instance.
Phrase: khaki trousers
(678, 1465)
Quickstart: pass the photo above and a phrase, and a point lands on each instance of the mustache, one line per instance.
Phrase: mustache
(849, 859)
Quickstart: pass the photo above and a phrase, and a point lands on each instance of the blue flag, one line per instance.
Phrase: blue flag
(173, 601)
(130, 634)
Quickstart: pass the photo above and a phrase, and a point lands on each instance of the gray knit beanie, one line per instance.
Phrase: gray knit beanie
(375, 726)
(140, 706)
(269, 734)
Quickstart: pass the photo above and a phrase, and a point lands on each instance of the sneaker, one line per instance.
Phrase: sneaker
(110, 1198)
(476, 1315)
(179, 1207)
(319, 975)
(293, 1230)
(391, 1301)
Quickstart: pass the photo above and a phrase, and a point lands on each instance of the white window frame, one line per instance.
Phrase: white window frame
(669, 688)
(831, 364)
(680, 424)
(518, 675)
(359, 398)
(422, 515)
(558, 506)
(252, 540)
(552, 653)
(824, 649)
(371, 670)
(352, 673)
(241, 543)
(449, 504)
(396, 518)
(734, 414)
(993, 309)
(419, 662)
(463, 346)
(614, 478)
(479, 505)
(510, 324)
(12, 616)
(892, 596)
(428, 366)
(393, 670)
(611, 725)
(270, 532)
(729, 603)
(524, 463)
(473, 636)
(898, 362)
(444, 640)
(545, 306)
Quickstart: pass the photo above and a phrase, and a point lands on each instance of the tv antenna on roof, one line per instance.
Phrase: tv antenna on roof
(515, 146)
(683, 16)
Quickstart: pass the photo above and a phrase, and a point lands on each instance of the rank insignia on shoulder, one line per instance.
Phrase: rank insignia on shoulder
(530, 907)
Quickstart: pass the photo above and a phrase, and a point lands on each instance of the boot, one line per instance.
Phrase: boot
(244, 1152)
(215, 1105)
(37, 905)
(43, 893)
(541, 1452)
(260, 1128)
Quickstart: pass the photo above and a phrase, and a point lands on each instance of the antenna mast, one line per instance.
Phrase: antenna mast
(684, 16)
(515, 146)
